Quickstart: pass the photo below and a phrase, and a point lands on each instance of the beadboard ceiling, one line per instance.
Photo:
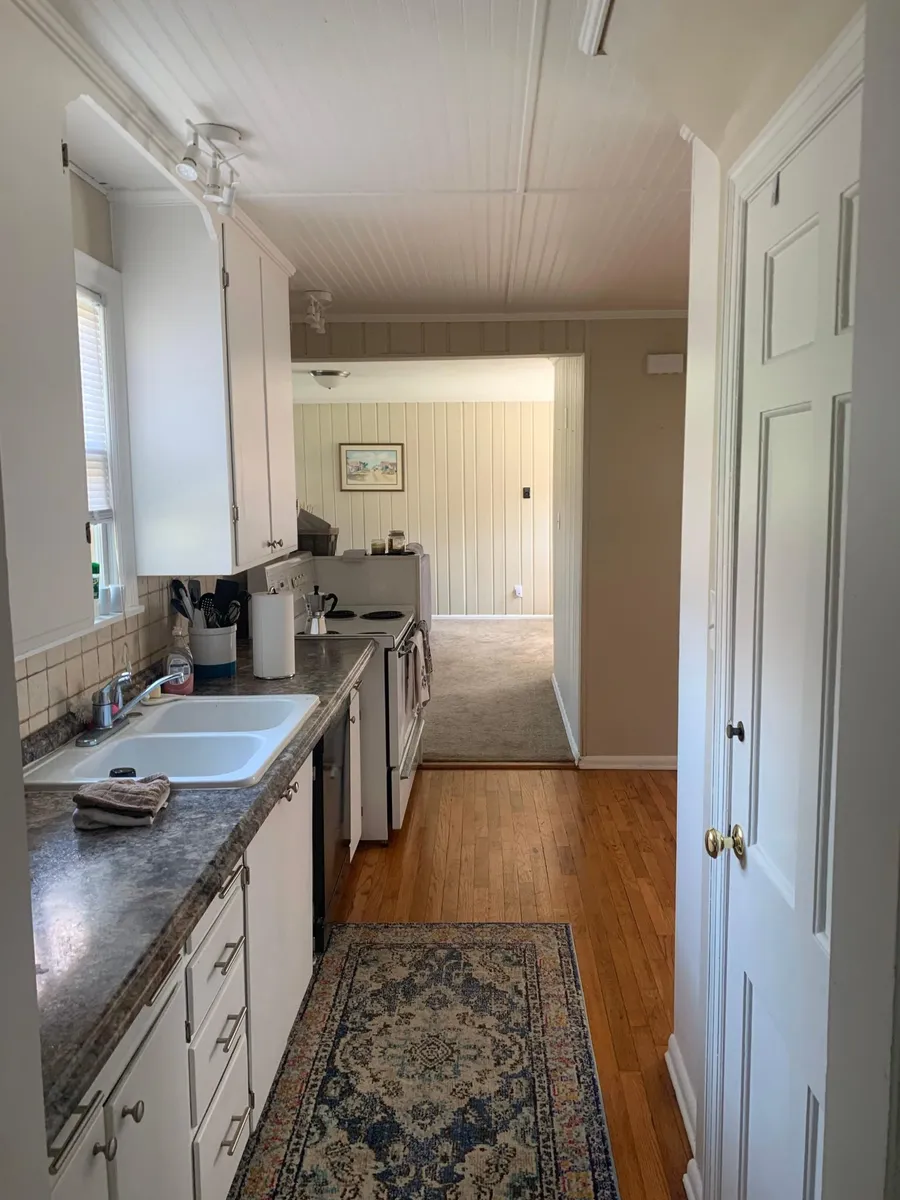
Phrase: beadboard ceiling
(506, 380)
(449, 156)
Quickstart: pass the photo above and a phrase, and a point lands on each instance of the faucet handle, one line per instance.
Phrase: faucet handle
(112, 689)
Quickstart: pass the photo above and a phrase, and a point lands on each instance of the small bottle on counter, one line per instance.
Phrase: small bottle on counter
(379, 546)
(396, 541)
(179, 656)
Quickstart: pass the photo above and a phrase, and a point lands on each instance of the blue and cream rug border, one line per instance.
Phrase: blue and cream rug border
(437, 1062)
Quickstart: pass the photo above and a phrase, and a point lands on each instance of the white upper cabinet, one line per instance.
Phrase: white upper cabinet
(279, 405)
(208, 382)
(41, 428)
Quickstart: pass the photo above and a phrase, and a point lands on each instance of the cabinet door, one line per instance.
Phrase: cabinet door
(249, 439)
(279, 405)
(279, 929)
(267, 967)
(355, 768)
(85, 1175)
(41, 426)
(298, 904)
(149, 1115)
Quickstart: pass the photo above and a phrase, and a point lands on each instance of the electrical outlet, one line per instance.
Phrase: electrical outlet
(518, 589)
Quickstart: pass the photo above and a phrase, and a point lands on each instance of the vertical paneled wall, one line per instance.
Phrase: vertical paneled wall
(466, 466)
(568, 454)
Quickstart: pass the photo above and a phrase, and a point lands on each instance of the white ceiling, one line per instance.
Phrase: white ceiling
(430, 381)
(444, 157)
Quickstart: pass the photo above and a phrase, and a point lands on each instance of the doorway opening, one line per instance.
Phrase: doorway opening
(490, 488)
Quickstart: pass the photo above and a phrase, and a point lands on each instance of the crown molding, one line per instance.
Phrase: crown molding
(636, 314)
(267, 246)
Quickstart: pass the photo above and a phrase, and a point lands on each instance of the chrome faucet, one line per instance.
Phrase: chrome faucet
(105, 721)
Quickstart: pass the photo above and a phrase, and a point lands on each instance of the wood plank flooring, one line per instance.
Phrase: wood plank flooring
(594, 848)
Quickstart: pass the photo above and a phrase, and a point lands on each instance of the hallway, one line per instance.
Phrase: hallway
(595, 849)
(492, 697)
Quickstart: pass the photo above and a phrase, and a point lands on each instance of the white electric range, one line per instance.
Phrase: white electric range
(392, 723)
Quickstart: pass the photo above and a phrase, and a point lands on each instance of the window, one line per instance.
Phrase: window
(101, 350)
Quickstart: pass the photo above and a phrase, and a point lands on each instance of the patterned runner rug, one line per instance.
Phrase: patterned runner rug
(437, 1062)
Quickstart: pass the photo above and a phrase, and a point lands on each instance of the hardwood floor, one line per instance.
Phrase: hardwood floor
(594, 848)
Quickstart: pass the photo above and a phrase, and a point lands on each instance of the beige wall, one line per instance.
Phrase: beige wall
(91, 227)
(466, 465)
(632, 501)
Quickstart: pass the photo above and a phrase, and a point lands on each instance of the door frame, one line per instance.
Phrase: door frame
(830, 85)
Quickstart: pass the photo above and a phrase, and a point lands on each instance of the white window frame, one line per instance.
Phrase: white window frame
(106, 282)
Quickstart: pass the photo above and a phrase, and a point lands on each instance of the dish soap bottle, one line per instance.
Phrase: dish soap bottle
(179, 656)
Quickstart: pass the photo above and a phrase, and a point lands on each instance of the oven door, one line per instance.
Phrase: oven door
(402, 715)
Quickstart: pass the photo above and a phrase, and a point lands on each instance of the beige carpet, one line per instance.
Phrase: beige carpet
(491, 695)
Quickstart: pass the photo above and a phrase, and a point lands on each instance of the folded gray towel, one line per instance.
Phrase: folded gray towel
(101, 818)
(127, 797)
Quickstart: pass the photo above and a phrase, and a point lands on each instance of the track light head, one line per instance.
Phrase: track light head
(213, 189)
(187, 169)
(226, 205)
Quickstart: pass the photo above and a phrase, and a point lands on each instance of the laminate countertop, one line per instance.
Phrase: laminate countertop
(112, 909)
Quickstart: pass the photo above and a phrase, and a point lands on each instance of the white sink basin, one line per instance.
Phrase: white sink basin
(202, 742)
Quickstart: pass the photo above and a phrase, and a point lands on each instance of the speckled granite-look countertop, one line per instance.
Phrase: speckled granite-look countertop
(112, 909)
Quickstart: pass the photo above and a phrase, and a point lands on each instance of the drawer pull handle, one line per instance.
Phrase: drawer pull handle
(231, 1145)
(85, 1112)
(107, 1149)
(225, 964)
(135, 1111)
(227, 1043)
(226, 886)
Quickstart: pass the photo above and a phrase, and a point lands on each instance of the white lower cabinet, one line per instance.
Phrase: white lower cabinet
(148, 1115)
(83, 1177)
(279, 929)
(215, 1029)
(223, 1134)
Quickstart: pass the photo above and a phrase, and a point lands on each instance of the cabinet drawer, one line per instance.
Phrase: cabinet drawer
(229, 885)
(81, 1162)
(217, 1039)
(216, 959)
(221, 1138)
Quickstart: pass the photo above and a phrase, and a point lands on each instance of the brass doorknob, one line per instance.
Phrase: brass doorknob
(716, 842)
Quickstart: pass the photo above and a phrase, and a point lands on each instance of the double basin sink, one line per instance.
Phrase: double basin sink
(196, 741)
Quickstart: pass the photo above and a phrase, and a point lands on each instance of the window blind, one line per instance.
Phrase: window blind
(95, 403)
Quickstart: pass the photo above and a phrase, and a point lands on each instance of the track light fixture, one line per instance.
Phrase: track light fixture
(207, 141)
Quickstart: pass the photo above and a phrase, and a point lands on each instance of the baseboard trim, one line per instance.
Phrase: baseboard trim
(510, 765)
(684, 1092)
(693, 1183)
(627, 762)
(573, 744)
(492, 616)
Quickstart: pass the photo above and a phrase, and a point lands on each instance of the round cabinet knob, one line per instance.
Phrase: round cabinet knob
(735, 731)
(716, 842)
(135, 1111)
(279, 543)
(107, 1149)
(295, 787)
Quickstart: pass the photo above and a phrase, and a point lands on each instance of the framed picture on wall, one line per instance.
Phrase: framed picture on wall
(372, 467)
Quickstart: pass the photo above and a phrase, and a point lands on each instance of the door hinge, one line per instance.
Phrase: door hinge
(776, 189)
(65, 155)
(187, 1032)
(246, 876)
(87, 532)
(235, 513)
(252, 1098)
(225, 278)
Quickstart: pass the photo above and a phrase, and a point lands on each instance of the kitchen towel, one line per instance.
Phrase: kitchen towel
(120, 802)
(272, 615)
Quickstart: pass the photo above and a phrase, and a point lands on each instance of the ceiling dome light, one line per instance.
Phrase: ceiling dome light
(329, 379)
(187, 168)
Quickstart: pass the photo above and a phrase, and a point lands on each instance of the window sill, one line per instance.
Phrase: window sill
(133, 610)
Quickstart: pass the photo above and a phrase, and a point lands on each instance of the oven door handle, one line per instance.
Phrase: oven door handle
(411, 757)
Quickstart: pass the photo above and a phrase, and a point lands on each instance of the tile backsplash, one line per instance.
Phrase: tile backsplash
(61, 680)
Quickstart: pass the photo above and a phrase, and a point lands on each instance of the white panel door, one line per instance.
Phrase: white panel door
(279, 406)
(795, 425)
(355, 767)
(149, 1114)
(249, 439)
